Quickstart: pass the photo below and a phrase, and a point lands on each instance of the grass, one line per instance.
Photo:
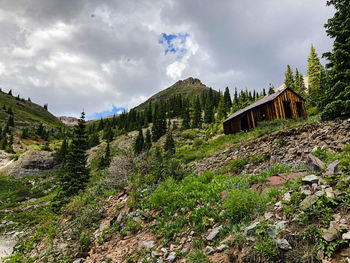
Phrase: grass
(26, 113)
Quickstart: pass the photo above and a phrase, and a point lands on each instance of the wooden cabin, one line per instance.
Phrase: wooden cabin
(283, 104)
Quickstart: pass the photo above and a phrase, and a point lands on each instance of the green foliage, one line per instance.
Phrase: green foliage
(75, 174)
(314, 71)
(238, 164)
(169, 145)
(241, 202)
(289, 78)
(197, 115)
(197, 256)
(84, 241)
(337, 94)
(139, 142)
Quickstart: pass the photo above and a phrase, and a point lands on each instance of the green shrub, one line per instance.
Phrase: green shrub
(84, 241)
(197, 256)
(190, 134)
(238, 164)
(197, 142)
(241, 203)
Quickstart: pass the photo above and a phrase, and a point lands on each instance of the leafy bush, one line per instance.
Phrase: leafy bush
(238, 164)
(241, 203)
(84, 241)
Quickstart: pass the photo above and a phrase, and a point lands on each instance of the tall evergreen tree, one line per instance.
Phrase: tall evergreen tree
(209, 111)
(138, 147)
(227, 100)
(235, 98)
(289, 78)
(314, 71)
(197, 114)
(148, 140)
(62, 153)
(186, 120)
(221, 110)
(169, 145)
(271, 89)
(337, 95)
(75, 174)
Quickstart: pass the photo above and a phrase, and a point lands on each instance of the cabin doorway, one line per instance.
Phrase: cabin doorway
(244, 123)
(287, 110)
(299, 109)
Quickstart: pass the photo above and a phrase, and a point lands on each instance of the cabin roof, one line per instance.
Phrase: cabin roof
(262, 101)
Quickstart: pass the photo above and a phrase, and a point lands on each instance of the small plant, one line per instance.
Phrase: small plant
(280, 142)
(238, 164)
(84, 241)
(197, 256)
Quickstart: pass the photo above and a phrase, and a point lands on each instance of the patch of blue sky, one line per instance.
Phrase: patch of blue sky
(174, 43)
(106, 113)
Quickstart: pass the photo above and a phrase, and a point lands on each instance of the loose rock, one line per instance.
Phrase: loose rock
(313, 164)
(283, 244)
(214, 233)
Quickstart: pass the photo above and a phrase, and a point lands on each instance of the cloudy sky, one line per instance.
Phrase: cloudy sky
(103, 55)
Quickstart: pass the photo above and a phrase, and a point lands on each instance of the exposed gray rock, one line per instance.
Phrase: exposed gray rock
(333, 168)
(79, 260)
(249, 230)
(185, 250)
(313, 164)
(146, 244)
(329, 192)
(209, 250)
(32, 162)
(346, 236)
(214, 233)
(310, 179)
(221, 248)
(171, 257)
(283, 244)
(281, 225)
(308, 201)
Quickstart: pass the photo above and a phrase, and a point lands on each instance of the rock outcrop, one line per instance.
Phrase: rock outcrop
(32, 162)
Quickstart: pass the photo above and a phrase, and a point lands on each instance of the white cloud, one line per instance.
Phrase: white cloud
(94, 54)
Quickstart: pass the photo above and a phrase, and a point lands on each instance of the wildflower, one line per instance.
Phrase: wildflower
(238, 186)
(122, 225)
(154, 187)
(159, 180)
(149, 191)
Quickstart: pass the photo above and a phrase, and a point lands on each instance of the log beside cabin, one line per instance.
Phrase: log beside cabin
(284, 104)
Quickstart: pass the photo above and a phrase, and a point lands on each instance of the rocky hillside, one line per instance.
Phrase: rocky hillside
(275, 194)
(188, 87)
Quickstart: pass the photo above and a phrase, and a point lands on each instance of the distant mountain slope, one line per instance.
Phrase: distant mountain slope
(188, 87)
(26, 113)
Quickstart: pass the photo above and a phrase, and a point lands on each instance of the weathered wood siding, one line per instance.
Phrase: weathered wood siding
(269, 111)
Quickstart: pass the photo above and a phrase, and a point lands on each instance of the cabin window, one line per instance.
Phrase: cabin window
(299, 109)
(287, 110)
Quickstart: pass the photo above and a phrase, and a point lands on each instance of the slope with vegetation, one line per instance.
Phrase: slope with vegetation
(163, 182)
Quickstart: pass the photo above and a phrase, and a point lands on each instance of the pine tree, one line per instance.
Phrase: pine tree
(94, 140)
(75, 174)
(106, 158)
(9, 111)
(169, 145)
(235, 97)
(3, 143)
(221, 110)
(101, 125)
(149, 113)
(227, 100)
(62, 153)
(10, 121)
(314, 70)
(271, 89)
(138, 147)
(148, 140)
(186, 120)
(25, 132)
(10, 92)
(289, 78)
(29, 99)
(197, 115)
(209, 111)
(40, 130)
(264, 92)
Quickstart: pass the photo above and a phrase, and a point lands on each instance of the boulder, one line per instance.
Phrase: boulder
(32, 162)
(283, 244)
(308, 201)
(146, 244)
(171, 257)
(313, 164)
(332, 168)
(214, 233)
(330, 234)
(310, 179)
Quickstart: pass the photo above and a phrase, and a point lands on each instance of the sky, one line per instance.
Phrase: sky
(103, 56)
